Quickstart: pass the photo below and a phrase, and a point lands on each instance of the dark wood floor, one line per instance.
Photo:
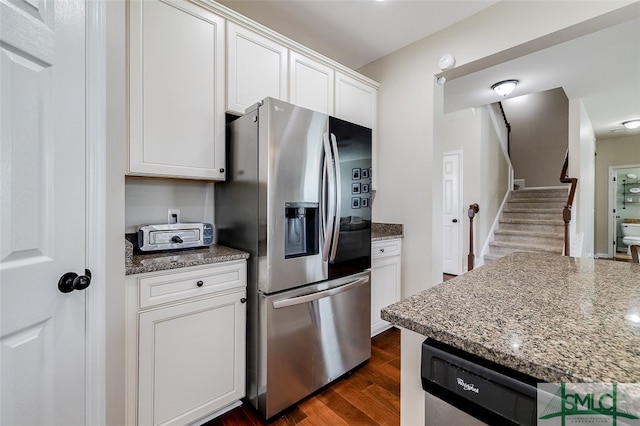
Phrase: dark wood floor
(368, 396)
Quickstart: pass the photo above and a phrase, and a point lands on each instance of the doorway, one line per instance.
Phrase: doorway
(624, 206)
(451, 213)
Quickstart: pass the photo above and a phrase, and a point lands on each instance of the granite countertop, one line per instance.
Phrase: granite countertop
(386, 231)
(141, 263)
(556, 318)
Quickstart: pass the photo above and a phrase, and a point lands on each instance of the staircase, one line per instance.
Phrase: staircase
(531, 221)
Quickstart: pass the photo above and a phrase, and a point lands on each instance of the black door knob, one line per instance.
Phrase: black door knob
(72, 281)
(455, 221)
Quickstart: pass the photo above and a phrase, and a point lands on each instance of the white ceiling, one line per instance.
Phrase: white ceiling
(356, 32)
(603, 68)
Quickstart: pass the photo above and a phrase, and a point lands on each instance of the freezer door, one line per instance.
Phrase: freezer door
(351, 236)
(310, 337)
(291, 156)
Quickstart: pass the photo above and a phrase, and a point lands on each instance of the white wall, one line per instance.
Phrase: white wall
(582, 148)
(494, 178)
(410, 120)
(462, 132)
(539, 135)
(148, 200)
(485, 177)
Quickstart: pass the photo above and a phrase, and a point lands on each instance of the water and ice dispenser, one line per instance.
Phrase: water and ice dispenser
(301, 228)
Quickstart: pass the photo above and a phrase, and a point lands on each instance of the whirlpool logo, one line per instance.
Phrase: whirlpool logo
(615, 404)
(467, 386)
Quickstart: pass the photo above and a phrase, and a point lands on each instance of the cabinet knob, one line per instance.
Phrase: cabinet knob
(221, 170)
(200, 283)
(243, 300)
(381, 250)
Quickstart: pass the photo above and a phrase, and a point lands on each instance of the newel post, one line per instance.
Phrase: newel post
(473, 210)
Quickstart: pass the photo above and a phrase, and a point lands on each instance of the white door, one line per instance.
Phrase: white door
(451, 217)
(42, 211)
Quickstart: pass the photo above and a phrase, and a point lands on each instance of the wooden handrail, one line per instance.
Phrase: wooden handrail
(508, 126)
(473, 209)
(566, 213)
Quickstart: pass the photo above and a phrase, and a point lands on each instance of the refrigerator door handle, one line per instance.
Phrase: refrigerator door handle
(338, 190)
(320, 295)
(329, 216)
(323, 198)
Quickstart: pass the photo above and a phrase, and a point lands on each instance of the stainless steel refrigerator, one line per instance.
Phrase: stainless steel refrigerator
(298, 199)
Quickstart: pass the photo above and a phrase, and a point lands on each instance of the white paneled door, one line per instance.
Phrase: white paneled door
(42, 211)
(451, 218)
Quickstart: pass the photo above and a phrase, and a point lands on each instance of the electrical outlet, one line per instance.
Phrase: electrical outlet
(173, 216)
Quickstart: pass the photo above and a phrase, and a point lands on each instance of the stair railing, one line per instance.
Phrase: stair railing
(471, 259)
(566, 213)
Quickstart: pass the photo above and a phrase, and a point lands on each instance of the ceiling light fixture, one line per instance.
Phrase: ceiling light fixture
(631, 124)
(504, 88)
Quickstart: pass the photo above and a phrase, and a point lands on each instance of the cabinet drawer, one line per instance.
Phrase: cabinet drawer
(385, 248)
(164, 287)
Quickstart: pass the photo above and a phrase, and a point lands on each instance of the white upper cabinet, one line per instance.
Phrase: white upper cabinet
(177, 122)
(355, 101)
(311, 83)
(256, 68)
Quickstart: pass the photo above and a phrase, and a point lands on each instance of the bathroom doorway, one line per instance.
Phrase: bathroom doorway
(624, 206)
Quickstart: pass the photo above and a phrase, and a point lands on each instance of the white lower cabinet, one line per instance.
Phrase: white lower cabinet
(385, 280)
(186, 357)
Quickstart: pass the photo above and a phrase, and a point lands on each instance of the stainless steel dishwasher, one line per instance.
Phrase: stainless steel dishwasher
(466, 390)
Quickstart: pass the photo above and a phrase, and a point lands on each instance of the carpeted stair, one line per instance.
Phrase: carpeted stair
(531, 221)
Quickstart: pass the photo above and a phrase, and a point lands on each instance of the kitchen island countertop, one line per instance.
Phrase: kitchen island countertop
(556, 318)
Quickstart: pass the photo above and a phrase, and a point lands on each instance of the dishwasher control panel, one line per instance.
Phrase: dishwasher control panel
(487, 391)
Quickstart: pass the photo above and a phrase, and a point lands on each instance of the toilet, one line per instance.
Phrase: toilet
(631, 233)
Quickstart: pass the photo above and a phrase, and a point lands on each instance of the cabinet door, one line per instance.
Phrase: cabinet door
(256, 69)
(177, 123)
(385, 289)
(311, 84)
(191, 359)
(355, 101)
(385, 279)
